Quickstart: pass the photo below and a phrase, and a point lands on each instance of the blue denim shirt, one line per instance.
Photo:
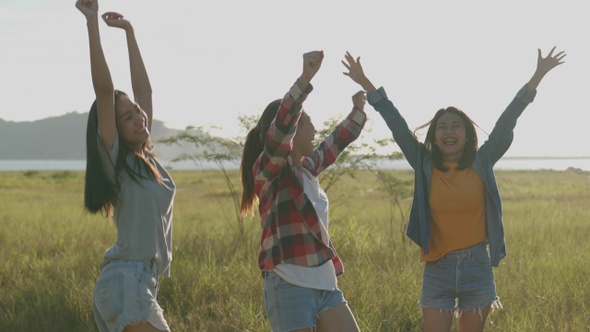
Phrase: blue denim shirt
(488, 154)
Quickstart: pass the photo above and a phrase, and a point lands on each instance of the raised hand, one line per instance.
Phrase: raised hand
(358, 100)
(115, 20)
(355, 72)
(545, 64)
(312, 61)
(88, 7)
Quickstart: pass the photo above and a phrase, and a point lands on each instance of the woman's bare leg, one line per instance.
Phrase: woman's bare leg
(337, 319)
(474, 320)
(436, 320)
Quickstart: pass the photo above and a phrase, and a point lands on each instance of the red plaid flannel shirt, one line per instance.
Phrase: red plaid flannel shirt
(290, 226)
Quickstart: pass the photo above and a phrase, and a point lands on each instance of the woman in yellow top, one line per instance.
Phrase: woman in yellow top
(456, 211)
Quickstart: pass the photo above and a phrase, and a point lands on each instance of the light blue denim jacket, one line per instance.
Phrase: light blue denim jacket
(488, 154)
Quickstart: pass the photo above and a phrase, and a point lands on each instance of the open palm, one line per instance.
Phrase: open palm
(545, 64)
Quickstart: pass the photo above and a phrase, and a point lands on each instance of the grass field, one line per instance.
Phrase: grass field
(50, 250)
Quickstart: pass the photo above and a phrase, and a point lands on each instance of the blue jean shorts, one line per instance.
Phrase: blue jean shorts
(125, 293)
(289, 307)
(460, 281)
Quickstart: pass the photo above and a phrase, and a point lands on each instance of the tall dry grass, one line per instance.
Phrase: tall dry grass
(50, 250)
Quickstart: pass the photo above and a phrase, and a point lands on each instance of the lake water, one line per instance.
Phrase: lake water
(509, 163)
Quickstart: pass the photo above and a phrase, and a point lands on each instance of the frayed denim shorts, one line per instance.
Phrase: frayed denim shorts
(460, 281)
(289, 307)
(124, 294)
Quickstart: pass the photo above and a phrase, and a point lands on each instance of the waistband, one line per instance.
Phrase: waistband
(468, 252)
(145, 265)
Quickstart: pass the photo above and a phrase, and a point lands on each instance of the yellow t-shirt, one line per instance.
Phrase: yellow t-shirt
(457, 211)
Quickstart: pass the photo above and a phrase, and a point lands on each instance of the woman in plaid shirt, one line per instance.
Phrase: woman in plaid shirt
(279, 173)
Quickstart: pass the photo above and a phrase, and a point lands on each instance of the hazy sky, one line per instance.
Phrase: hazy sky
(211, 61)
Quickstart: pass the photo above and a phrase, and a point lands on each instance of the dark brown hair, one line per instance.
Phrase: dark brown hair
(253, 147)
(100, 194)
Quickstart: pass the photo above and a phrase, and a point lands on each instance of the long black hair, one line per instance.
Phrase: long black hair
(253, 147)
(100, 193)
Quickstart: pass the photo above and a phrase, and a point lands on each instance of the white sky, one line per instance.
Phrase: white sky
(210, 61)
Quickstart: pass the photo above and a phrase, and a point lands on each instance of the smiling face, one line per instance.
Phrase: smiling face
(131, 123)
(303, 140)
(450, 137)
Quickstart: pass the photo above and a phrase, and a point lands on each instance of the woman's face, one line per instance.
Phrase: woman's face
(450, 137)
(131, 123)
(303, 140)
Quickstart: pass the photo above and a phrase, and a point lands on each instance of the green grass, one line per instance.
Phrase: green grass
(50, 250)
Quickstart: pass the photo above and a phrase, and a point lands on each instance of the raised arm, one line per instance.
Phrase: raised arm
(140, 82)
(312, 61)
(355, 72)
(101, 76)
(400, 131)
(544, 65)
(279, 133)
(502, 135)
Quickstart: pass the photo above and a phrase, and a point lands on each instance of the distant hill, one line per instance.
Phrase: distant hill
(64, 137)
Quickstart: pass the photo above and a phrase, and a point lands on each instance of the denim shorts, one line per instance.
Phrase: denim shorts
(125, 293)
(289, 307)
(460, 281)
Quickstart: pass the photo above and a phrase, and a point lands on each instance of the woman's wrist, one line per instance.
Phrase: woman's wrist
(127, 26)
(92, 19)
(304, 81)
(367, 85)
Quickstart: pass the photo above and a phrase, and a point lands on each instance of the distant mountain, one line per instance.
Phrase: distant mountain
(64, 137)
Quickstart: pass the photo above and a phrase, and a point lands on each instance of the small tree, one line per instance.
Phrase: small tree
(222, 152)
(227, 152)
(364, 156)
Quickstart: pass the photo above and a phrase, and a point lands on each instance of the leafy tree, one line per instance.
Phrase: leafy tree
(364, 156)
(358, 156)
(227, 152)
(222, 152)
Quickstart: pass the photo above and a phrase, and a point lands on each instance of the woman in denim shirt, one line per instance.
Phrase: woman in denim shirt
(456, 210)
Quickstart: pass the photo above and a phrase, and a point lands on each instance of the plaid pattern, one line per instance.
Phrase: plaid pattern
(291, 231)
